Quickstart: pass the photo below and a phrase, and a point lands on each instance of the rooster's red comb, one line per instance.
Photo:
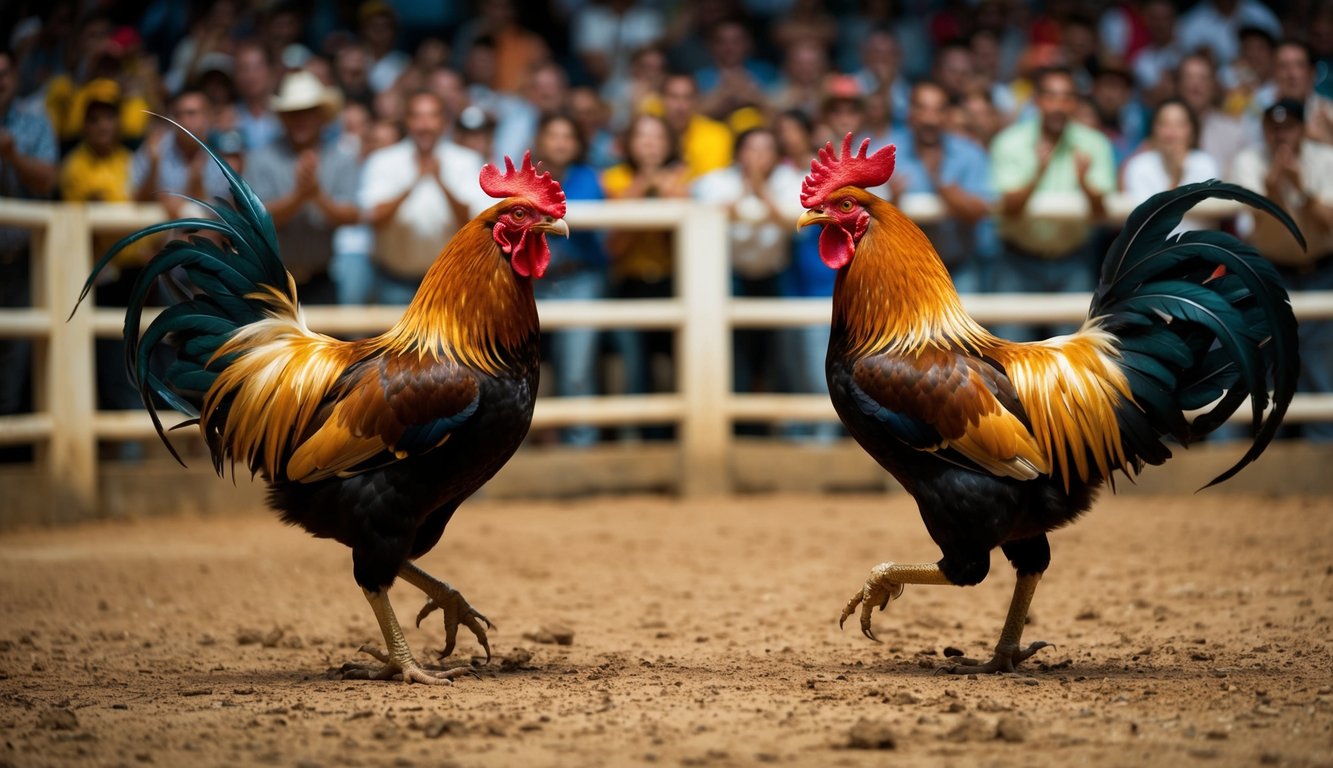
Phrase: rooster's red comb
(829, 171)
(541, 190)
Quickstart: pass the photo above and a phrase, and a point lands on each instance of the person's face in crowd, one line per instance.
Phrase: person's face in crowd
(758, 155)
(379, 31)
(1057, 99)
(191, 111)
(986, 54)
(479, 65)
(794, 138)
(806, 63)
(8, 81)
(1197, 84)
(558, 143)
(927, 115)
(101, 127)
(431, 53)
(588, 109)
(481, 141)
(382, 133)
(283, 29)
(1172, 131)
(389, 105)
(355, 120)
(547, 88)
(730, 44)
(955, 70)
(1292, 74)
(1283, 136)
(844, 116)
(1110, 94)
(1159, 18)
(649, 65)
(425, 122)
(448, 85)
(352, 67)
(880, 55)
(678, 99)
(978, 118)
(252, 76)
(1258, 55)
(1080, 42)
(649, 143)
(303, 126)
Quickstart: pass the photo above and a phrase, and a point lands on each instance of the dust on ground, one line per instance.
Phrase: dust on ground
(1191, 630)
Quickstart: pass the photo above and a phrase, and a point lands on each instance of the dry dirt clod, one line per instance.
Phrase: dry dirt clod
(871, 734)
(971, 728)
(1012, 728)
(61, 719)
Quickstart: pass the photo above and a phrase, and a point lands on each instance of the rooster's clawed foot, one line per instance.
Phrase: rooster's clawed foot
(877, 591)
(407, 668)
(456, 611)
(1006, 659)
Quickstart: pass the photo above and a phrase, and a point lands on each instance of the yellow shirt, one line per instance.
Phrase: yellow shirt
(642, 255)
(705, 146)
(85, 178)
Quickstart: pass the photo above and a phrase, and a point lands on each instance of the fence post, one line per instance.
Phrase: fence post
(703, 351)
(65, 380)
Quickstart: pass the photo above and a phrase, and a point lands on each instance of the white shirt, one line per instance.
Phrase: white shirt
(1204, 27)
(407, 244)
(760, 247)
(1265, 232)
(1145, 175)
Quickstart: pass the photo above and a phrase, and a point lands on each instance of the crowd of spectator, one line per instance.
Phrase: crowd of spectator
(363, 128)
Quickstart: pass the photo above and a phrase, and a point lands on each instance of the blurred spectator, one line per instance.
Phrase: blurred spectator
(28, 158)
(642, 262)
(1216, 24)
(545, 89)
(351, 72)
(977, 117)
(98, 170)
(594, 120)
(1078, 41)
(762, 199)
(211, 33)
(475, 130)
(933, 160)
(705, 144)
(1294, 79)
(416, 194)
(1249, 79)
(954, 69)
(809, 277)
(100, 57)
(578, 266)
(1171, 158)
(254, 88)
(735, 80)
(171, 163)
(449, 86)
(280, 28)
(351, 268)
(804, 67)
(1121, 29)
(1119, 113)
(517, 50)
(881, 70)
(308, 186)
(843, 111)
(215, 82)
(605, 34)
(378, 24)
(1155, 62)
(1221, 135)
(1049, 153)
(985, 46)
(803, 21)
(641, 91)
(1297, 173)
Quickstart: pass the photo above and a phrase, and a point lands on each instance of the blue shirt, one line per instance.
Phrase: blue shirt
(33, 137)
(582, 250)
(963, 164)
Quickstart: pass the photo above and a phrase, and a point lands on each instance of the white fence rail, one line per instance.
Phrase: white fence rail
(66, 425)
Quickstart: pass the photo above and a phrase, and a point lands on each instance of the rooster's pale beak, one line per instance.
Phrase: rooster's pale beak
(554, 226)
(812, 217)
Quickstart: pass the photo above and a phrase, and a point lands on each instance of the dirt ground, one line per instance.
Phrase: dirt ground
(1191, 630)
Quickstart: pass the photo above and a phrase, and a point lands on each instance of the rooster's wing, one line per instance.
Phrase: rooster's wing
(393, 408)
(958, 406)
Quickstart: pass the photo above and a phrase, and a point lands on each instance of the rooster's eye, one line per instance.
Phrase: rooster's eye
(847, 206)
(519, 213)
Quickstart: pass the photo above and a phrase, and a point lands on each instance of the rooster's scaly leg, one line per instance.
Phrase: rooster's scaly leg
(449, 601)
(1008, 654)
(399, 659)
(886, 584)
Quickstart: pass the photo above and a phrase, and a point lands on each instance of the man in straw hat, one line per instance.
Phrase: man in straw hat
(308, 185)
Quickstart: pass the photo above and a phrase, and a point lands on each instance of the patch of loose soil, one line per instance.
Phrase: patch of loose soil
(1190, 631)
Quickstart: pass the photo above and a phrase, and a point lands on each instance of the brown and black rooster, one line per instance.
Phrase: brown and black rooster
(373, 442)
(1001, 442)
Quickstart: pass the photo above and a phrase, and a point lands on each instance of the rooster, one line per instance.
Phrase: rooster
(1001, 442)
(374, 442)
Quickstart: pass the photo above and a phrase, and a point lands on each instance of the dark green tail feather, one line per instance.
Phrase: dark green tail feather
(1238, 328)
(221, 279)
